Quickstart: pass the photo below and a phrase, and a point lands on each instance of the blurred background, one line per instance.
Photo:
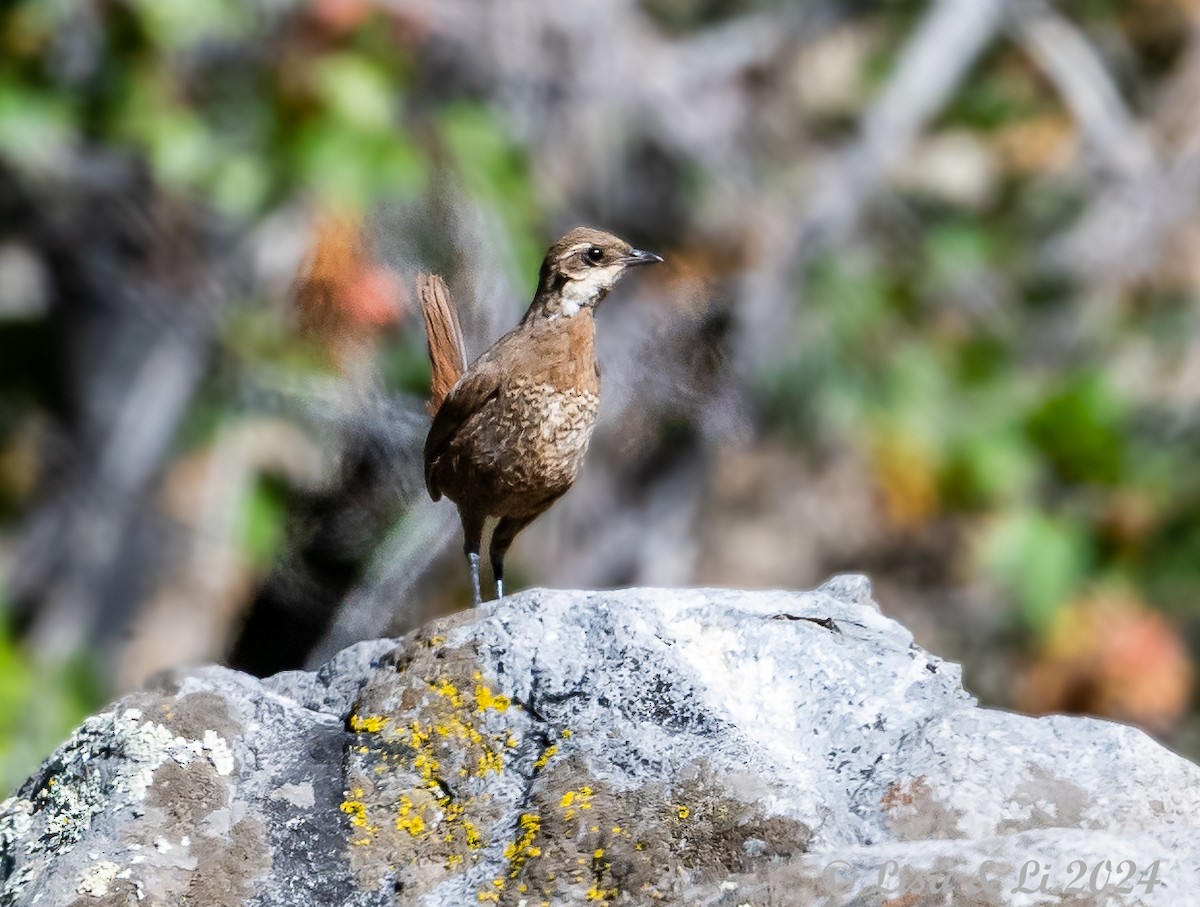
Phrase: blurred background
(931, 312)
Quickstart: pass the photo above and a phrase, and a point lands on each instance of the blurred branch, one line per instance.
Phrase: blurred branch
(91, 522)
(1124, 231)
(136, 284)
(947, 42)
(688, 93)
(949, 39)
(691, 82)
(1075, 68)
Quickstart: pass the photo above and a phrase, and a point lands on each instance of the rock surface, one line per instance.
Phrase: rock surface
(678, 747)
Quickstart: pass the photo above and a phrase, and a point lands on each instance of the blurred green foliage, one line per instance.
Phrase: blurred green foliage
(1042, 452)
(38, 706)
(496, 172)
(929, 343)
(264, 510)
(315, 113)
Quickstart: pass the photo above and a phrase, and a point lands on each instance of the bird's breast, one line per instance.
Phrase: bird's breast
(555, 423)
(534, 443)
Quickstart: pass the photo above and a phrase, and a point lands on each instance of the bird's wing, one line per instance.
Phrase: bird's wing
(474, 391)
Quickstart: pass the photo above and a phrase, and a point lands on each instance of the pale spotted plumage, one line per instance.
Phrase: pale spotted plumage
(551, 435)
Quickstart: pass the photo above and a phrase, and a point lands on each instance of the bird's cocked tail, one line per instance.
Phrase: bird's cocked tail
(447, 349)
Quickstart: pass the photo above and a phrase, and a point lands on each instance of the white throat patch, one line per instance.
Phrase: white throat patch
(579, 293)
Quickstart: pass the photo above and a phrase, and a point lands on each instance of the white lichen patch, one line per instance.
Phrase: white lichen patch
(219, 753)
(146, 746)
(133, 749)
(100, 878)
(15, 820)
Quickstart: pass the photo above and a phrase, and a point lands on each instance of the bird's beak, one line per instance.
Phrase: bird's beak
(640, 257)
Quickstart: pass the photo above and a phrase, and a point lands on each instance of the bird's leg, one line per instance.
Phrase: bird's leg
(473, 560)
(472, 538)
(502, 536)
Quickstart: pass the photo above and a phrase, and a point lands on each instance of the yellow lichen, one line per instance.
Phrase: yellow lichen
(356, 809)
(427, 766)
(545, 757)
(595, 893)
(371, 724)
(412, 824)
(417, 737)
(682, 811)
(489, 761)
(448, 717)
(518, 852)
(572, 799)
(485, 699)
(566, 733)
(443, 687)
(410, 818)
(488, 896)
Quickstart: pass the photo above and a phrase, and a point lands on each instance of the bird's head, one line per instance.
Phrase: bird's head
(581, 268)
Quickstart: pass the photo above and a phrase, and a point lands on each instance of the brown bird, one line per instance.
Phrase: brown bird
(509, 433)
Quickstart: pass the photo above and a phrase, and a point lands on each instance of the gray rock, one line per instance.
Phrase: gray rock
(696, 747)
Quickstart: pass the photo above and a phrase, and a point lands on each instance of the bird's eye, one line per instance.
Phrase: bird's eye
(595, 254)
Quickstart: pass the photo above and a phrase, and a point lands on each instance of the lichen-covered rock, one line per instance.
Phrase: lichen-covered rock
(642, 747)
